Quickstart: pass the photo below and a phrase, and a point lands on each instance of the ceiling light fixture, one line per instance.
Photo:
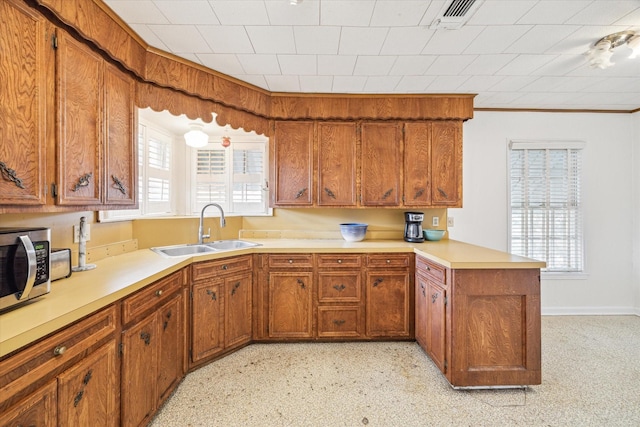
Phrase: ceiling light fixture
(196, 137)
(600, 54)
(295, 2)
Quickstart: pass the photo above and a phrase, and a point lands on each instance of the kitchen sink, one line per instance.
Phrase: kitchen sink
(182, 250)
(224, 245)
(203, 249)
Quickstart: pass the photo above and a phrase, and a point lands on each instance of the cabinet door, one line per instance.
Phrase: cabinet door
(24, 74)
(87, 392)
(388, 300)
(79, 96)
(381, 164)
(38, 409)
(207, 329)
(337, 164)
(121, 144)
(435, 304)
(139, 370)
(421, 311)
(237, 303)
(290, 305)
(417, 164)
(446, 163)
(171, 346)
(292, 164)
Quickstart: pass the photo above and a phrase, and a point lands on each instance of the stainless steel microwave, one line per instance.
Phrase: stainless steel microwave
(25, 264)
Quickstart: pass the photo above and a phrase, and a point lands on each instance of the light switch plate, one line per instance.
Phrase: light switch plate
(435, 221)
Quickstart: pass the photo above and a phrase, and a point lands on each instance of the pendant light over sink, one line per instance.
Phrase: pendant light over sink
(196, 137)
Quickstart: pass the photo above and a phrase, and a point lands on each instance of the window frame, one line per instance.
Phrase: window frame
(580, 147)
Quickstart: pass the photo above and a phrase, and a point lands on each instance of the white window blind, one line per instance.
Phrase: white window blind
(156, 167)
(545, 206)
(232, 177)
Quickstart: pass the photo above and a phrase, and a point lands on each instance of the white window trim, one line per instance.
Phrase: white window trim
(549, 144)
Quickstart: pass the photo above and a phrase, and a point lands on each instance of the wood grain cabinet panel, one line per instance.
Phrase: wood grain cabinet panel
(381, 160)
(25, 67)
(291, 154)
(207, 320)
(446, 164)
(337, 163)
(290, 304)
(39, 409)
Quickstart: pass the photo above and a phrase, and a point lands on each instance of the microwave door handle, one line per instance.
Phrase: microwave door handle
(32, 263)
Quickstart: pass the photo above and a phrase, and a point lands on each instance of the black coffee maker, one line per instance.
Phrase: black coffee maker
(413, 227)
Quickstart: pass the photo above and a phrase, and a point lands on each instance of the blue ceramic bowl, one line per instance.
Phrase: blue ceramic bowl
(353, 231)
(433, 235)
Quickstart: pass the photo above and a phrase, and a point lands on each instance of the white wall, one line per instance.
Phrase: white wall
(611, 197)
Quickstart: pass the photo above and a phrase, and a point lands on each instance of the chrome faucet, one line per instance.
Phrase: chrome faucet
(223, 222)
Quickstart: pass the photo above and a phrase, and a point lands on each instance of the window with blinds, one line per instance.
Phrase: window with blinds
(545, 203)
(156, 167)
(232, 177)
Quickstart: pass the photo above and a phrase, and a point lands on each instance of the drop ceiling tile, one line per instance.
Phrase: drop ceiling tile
(403, 13)
(282, 13)
(226, 39)
(541, 38)
(339, 65)
(543, 84)
(316, 84)
(138, 12)
(244, 12)
(603, 12)
(354, 13)
(446, 83)
(254, 79)
(373, 65)
(553, 11)
(298, 64)
(487, 64)
(412, 65)
(266, 39)
(513, 83)
(562, 65)
(149, 36)
(225, 63)
(406, 41)
(578, 84)
(504, 99)
(451, 42)
(414, 84)
(583, 39)
(381, 84)
(496, 39)
(631, 18)
(434, 10)
(617, 85)
(523, 65)
(181, 38)
(259, 64)
(479, 83)
(450, 64)
(361, 41)
(501, 12)
(188, 12)
(283, 83)
(317, 40)
(348, 84)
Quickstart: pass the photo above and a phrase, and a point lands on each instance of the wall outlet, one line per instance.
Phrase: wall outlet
(450, 221)
(76, 233)
(435, 221)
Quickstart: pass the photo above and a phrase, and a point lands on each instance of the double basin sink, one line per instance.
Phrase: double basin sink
(204, 248)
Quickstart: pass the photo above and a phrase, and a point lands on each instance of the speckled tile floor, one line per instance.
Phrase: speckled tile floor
(591, 377)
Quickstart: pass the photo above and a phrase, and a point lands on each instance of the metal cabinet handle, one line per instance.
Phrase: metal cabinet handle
(329, 193)
(434, 297)
(442, 193)
(78, 398)
(301, 283)
(419, 193)
(59, 350)
(338, 322)
(235, 288)
(159, 293)
(300, 193)
(377, 282)
(387, 194)
(83, 181)
(10, 175)
(146, 337)
(290, 261)
(118, 184)
(339, 261)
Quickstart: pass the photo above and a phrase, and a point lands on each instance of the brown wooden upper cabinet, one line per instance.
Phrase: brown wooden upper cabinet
(367, 164)
(96, 120)
(68, 137)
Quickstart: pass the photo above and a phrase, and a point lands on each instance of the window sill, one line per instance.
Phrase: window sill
(564, 276)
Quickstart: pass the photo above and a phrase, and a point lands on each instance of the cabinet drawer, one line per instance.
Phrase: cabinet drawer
(431, 269)
(338, 261)
(208, 269)
(389, 260)
(37, 363)
(290, 260)
(338, 322)
(339, 286)
(151, 296)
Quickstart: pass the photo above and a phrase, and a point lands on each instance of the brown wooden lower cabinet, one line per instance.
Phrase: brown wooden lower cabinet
(38, 409)
(481, 327)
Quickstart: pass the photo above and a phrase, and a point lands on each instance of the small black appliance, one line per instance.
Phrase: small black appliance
(413, 227)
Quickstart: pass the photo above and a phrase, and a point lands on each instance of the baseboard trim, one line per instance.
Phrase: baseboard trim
(590, 311)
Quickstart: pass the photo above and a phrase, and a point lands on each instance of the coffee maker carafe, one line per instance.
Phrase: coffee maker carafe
(413, 227)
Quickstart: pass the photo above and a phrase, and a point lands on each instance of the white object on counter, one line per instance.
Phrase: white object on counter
(82, 249)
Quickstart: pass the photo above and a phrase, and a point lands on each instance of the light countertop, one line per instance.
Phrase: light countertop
(116, 277)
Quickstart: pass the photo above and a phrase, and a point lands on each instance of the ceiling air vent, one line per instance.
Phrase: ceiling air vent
(455, 14)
